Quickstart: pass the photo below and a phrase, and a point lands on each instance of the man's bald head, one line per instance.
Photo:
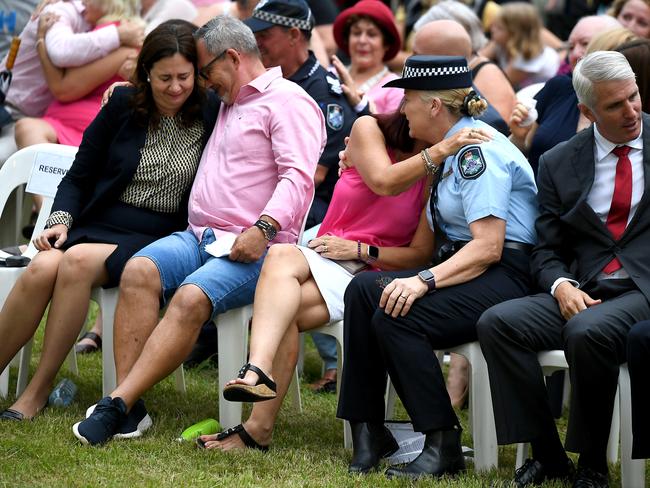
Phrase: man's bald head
(443, 38)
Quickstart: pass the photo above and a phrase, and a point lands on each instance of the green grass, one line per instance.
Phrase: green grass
(307, 447)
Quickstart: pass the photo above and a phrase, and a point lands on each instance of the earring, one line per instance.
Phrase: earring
(148, 80)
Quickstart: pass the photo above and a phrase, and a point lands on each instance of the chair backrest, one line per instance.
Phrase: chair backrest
(17, 171)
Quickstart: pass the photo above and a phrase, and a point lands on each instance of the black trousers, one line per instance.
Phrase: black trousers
(594, 342)
(403, 347)
(638, 362)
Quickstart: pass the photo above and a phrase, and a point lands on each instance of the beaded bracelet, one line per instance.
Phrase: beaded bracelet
(359, 251)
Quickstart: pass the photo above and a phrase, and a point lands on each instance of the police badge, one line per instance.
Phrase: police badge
(471, 163)
(334, 116)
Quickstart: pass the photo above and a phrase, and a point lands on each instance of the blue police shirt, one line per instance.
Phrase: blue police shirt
(492, 178)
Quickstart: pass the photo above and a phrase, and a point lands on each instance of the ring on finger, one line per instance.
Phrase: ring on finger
(324, 248)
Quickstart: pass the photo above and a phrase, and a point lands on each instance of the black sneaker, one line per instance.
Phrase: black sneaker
(103, 423)
(137, 421)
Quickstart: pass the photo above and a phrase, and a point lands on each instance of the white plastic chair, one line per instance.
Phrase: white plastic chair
(480, 407)
(232, 349)
(334, 329)
(632, 470)
(14, 174)
(552, 361)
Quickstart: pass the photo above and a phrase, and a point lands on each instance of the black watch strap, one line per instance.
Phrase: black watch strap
(267, 229)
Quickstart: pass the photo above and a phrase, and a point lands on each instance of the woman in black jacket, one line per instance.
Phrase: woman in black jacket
(128, 186)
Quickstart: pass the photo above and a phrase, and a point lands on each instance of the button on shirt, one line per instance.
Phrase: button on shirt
(259, 160)
(505, 189)
(68, 45)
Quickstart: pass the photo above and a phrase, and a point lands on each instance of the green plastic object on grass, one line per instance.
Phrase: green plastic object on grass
(204, 427)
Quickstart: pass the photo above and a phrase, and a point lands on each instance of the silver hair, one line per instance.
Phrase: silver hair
(597, 67)
(465, 16)
(225, 32)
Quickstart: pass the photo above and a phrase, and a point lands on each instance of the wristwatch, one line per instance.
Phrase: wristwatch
(373, 254)
(429, 279)
(267, 229)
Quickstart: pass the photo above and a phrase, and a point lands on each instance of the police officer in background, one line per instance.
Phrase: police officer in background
(485, 201)
(282, 29)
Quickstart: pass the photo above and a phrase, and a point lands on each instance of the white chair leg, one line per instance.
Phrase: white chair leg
(614, 432)
(632, 470)
(23, 368)
(107, 301)
(73, 367)
(232, 333)
(294, 391)
(483, 427)
(390, 399)
(4, 383)
(523, 449)
(179, 379)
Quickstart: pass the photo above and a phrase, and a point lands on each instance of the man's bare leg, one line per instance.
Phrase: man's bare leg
(137, 312)
(168, 345)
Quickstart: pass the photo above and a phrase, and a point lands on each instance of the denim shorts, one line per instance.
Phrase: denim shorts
(182, 260)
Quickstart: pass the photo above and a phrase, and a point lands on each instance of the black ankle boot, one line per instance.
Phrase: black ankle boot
(442, 454)
(370, 443)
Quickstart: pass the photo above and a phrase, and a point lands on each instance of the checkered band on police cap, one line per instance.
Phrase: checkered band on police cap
(287, 13)
(411, 72)
(423, 72)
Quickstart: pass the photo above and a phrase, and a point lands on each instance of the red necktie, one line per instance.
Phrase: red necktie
(621, 201)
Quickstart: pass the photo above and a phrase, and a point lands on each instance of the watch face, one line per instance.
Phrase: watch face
(426, 275)
(373, 252)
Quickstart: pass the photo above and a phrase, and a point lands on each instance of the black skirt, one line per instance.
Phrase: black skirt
(130, 228)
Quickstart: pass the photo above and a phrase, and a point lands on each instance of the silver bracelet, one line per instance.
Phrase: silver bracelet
(430, 168)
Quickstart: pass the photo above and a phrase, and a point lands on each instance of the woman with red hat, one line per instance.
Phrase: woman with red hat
(367, 33)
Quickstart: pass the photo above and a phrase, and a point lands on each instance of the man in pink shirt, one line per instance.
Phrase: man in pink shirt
(253, 188)
(68, 45)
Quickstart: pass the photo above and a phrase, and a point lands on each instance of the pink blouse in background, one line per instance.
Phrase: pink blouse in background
(386, 99)
(356, 213)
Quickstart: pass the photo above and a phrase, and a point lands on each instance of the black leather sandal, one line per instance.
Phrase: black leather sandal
(264, 389)
(243, 435)
(88, 348)
(11, 414)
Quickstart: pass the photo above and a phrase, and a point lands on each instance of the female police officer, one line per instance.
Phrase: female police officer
(483, 199)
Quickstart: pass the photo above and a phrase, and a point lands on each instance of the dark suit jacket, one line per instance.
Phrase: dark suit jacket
(108, 157)
(572, 241)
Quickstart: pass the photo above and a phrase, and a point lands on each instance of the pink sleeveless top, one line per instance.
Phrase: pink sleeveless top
(356, 213)
(70, 119)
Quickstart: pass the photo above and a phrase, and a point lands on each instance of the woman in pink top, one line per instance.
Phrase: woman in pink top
(301, 288)
(66, 119)
(367, 33)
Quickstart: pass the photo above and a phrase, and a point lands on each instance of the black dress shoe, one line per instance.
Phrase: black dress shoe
(442, 454)
(532, 472)
(370, 443)
(588, 478)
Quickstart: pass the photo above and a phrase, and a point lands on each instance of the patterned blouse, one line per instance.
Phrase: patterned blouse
(168, 162)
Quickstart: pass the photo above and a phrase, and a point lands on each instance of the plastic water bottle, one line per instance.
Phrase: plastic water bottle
(63, 394)
(204, 427)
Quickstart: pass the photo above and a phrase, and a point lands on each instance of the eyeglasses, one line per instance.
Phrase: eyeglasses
(204, 73)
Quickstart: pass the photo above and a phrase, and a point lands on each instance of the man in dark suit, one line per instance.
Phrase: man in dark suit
(592, 264)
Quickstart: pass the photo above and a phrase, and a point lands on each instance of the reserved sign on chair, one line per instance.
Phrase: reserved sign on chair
(47, 171)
